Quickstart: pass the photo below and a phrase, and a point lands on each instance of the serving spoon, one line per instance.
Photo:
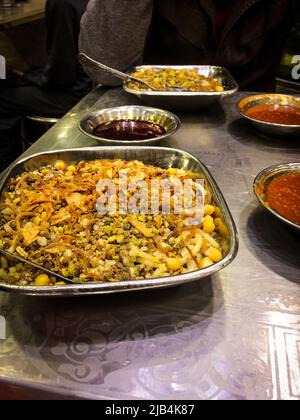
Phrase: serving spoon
(40, 268)
(85, 59)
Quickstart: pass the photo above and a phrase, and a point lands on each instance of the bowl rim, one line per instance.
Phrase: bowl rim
(261, 179)
(267, 123)
(95, 113)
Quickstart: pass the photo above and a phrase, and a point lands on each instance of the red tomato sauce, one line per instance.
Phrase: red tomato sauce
(283, 196)
(277, 114)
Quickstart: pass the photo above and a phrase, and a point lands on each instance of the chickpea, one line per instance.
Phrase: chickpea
(214, 254)
(208, 225)
(71, 169)
(42, 280)
(222, 228)
(174, 263)
(209, 210)
(60, 165)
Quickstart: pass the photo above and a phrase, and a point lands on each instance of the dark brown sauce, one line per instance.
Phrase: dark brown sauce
(129, 130)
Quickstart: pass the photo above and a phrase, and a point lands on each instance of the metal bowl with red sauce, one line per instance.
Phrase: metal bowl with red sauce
(283, 196)
(272, 114)
(278, 190)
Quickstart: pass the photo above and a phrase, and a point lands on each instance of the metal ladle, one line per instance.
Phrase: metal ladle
(85, 59)
(40, 268)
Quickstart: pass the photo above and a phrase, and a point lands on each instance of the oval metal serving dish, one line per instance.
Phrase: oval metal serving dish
(158, 156)
(264, 179)
(170, 122)
(270, 129)
(187, 101)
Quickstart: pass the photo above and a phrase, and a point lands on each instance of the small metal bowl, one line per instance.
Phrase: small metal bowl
(264, 179)
(170, 122)
(270, 129)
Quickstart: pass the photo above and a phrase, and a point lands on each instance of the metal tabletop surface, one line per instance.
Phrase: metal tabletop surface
(233, 336)
(22, 12)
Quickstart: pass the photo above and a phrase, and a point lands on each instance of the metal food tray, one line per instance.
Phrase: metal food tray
(158, 156)
(187, 101)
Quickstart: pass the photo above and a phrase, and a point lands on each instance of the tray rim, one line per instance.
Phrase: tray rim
(183, 94)
(131, 285)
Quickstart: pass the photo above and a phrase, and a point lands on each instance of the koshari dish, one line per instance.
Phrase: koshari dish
(172, 78)
(283, 196)
(49, 217)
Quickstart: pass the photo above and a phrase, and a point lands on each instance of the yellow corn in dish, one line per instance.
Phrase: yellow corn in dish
(49, 216)
(171, 78)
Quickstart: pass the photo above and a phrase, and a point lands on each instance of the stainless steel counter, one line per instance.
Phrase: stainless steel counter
(22, 13)
(233, 336)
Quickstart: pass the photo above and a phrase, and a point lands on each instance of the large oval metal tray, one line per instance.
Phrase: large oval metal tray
(162, 157)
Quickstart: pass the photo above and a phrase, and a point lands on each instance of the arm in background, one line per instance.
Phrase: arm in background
(114, 32)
